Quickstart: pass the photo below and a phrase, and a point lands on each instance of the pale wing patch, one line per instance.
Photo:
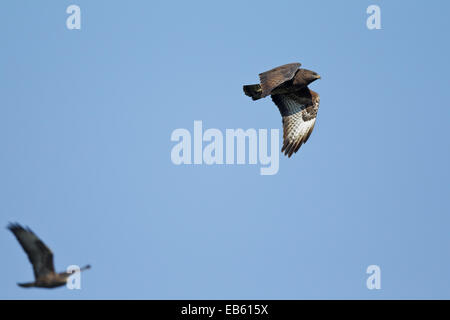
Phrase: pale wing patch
(298, 110)
(296, 131)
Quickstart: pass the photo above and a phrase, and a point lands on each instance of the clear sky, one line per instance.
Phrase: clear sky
(86, 118)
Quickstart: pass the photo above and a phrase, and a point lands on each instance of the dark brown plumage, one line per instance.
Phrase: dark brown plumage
(41, 257)
(298, 105)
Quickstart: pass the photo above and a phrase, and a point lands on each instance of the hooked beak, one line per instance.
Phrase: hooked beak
(318, 77)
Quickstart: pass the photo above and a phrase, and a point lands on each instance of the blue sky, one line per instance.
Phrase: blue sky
(85, 123)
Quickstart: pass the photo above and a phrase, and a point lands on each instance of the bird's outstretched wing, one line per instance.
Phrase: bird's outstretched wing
(275, 77)
(299, 111)
(40, 256)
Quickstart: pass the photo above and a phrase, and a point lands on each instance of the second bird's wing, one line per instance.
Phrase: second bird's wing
(40, 256)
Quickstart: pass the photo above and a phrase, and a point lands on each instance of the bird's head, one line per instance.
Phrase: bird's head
(309, 76)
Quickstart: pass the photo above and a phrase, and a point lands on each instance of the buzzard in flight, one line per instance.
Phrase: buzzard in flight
(41, 257)
(298, 105)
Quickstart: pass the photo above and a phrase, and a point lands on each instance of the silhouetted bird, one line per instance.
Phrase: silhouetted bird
(298, 105)
(41, 257)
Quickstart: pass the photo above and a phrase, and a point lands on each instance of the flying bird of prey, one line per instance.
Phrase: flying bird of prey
(41, 257)
(298, 105)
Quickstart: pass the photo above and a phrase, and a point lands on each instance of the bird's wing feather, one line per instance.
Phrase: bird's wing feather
(275, 77)
(40, 256)
(299, 111)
